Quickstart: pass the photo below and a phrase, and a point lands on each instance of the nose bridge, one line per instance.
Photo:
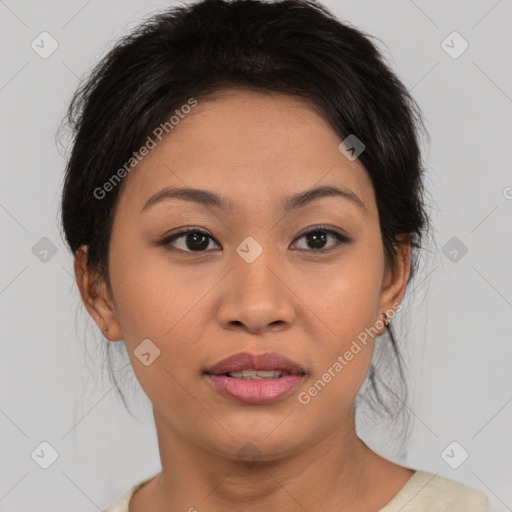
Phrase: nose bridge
(256, 296)
(253, 263)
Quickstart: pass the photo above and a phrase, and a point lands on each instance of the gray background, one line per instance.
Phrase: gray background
(458, 327)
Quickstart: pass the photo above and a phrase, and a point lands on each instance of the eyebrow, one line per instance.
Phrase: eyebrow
(210, 199)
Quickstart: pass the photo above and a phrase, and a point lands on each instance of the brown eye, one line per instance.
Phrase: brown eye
(194, 240)
(317, 238)
(197, 240)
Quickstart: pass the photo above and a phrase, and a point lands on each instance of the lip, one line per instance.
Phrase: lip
(246, 361)
(255, 392)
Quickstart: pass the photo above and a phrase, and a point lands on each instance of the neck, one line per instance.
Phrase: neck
(330, 473)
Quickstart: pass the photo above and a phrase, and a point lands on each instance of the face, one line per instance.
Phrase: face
(249, 279)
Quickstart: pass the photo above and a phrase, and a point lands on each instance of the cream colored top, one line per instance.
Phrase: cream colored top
(424, 492)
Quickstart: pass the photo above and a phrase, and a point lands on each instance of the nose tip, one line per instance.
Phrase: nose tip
(256, 298)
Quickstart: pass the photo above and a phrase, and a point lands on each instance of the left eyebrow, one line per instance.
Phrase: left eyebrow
(208, 198)
(303, 198)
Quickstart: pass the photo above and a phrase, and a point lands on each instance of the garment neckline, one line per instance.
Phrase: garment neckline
(417, 477)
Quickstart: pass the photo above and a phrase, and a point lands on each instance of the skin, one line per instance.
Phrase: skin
(200, 307)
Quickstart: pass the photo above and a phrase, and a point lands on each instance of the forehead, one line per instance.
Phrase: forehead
(250, 146)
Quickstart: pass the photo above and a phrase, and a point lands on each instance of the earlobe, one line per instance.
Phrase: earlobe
(95, 296)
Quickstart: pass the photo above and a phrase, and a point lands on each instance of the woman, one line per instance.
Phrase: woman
(245, 204)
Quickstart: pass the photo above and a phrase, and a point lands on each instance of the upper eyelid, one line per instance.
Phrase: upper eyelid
(302, 233)
(175, 236)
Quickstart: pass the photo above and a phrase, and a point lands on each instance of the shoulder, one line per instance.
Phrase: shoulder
(122, 503)
(433, 493)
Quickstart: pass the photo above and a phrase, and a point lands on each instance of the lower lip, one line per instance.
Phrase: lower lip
(256, 391)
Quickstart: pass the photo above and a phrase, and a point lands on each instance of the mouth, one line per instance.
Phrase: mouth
(268, 365)
(256, 374)
(255, 378)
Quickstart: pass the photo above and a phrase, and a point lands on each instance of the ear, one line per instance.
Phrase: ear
(95, 296)
(394, 283)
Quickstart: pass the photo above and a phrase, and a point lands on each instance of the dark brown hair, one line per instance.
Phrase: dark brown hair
(295, 47)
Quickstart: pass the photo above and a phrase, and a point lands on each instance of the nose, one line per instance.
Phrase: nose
(256, 297)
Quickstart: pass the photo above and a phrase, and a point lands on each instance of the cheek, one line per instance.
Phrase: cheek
(156, 300)
(150, 293)
(351, 297)
(152, 304)
(342, 359)
(349, 306)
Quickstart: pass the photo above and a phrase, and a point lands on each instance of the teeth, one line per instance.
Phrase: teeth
(255, 374)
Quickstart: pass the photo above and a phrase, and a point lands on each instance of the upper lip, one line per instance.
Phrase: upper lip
(246, 361)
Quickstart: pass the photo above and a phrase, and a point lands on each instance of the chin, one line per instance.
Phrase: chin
(264, 440)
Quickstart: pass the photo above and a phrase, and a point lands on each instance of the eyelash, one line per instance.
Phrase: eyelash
(341, 239)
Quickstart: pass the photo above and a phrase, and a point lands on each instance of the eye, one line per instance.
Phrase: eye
(194, 240)
(197, 240)
(318, 236)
